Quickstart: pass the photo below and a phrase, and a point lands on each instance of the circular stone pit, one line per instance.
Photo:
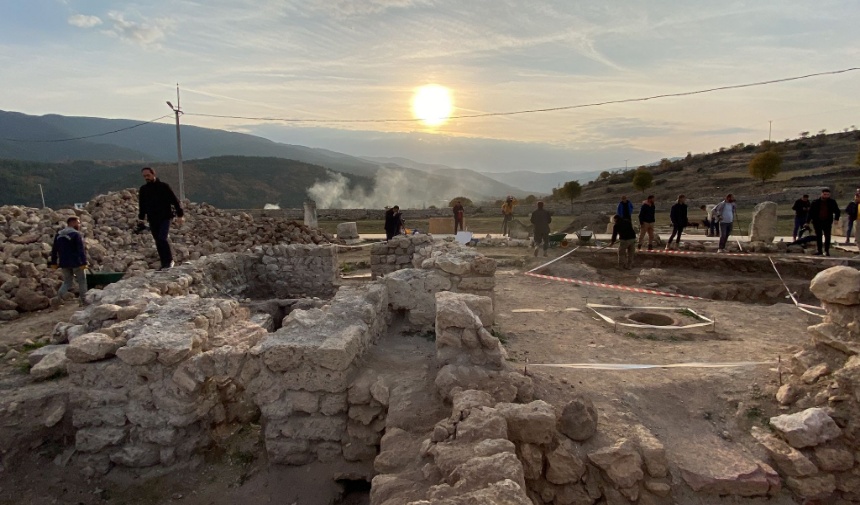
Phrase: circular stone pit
(651, 318)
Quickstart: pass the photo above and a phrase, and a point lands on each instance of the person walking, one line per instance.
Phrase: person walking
(459, 212)
(623, 230)
(625, 208)
(801, 213)
(541, 219)
(393, 222)
(725, 213)
(508, 214)
(823, 213)
(69, 254)
(158, 205)
(647, 217)
(851, 214)
(678, 217)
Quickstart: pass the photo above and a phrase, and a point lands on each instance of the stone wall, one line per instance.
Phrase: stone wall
(814, 443)
(313, 405)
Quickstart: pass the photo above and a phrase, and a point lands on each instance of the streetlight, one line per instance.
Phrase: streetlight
(178, 111)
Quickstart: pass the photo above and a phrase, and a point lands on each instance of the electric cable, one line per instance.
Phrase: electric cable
(88, 136)
(532, 111)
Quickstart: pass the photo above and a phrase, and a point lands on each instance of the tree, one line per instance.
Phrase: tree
(530, 200)
(570, 190)
(857, 161)
(603, 175)
(642, 179)
(462, 199)
(765, 165)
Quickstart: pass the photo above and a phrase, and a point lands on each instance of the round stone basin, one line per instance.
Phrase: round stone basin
(652, 318)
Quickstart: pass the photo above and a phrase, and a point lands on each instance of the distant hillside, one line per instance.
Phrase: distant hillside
(474, 183)
(808, 164)
(226, 182)
(157, 141)
(537, 182)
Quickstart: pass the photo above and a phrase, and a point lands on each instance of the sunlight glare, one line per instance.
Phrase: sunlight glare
(432, 104)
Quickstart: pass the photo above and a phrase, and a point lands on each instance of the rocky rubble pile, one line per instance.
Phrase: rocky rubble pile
(108, 223)
(814, 447)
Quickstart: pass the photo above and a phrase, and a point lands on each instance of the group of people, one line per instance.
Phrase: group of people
(157, 206)
(821, 214)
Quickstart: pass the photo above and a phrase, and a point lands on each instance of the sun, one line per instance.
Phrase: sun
(432, 104)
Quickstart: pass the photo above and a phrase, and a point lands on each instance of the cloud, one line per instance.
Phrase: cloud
(83, 21)
(352, 8)
(147, 32)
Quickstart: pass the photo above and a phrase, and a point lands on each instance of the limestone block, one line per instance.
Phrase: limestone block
(532, 423)
(564, 465)
(96, 439)
(315, 427)
(91, 347)
(621, 462)
(788, 459)
(101, 416)
(578, 419)
(333, 404)
(531, 457)
(303, 401)
(482, 423)
(653, 452)
(818, 487)
(452, 311)
(834, 459)
(290, 452)
(839, 285)
(480, 472)
(453, 264)
(365, 414)
(807, 428)
(465, 400)
(727, 472)
(136, 456)
(51, 365)
(38, 354)
(347, 231)
(365, 434)
(359, 390)
(380, 391)
(763, 226)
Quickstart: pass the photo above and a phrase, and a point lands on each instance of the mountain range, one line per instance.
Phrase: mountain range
(64, 139)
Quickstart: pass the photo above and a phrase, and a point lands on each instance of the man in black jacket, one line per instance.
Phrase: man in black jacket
(69, 254)
(158, 204)
(823, 212)
(541, 218)
(678, 216)
(623, 230)
(647, 217)
(801, 214)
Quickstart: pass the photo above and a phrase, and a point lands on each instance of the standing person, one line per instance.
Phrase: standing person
(625, 208)
(508, 214)
(801, 214)
(158, 204)
(459, 211)
(69, 254)
(725, 213)
(623, 229)
(541, 219)
(823, 212)
(647, 217)
(851, 213)
(678, 216)
(393, 222)
(706, 221)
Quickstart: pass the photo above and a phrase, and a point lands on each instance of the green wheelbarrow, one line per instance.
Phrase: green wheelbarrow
(558, 239)
(97, 279)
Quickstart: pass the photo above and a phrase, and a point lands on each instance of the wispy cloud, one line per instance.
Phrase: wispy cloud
(145, 32)
(84, 21)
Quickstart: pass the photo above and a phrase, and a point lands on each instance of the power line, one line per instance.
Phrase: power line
(88, 136)
(532, 111)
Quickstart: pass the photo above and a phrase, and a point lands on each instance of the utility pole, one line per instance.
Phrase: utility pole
(178, 111)
(769, 129)
(625, 165)
(43, 195)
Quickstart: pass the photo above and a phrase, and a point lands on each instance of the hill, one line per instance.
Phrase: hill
(157, 142)
(226, 182)
(809, 163)
(537, 183)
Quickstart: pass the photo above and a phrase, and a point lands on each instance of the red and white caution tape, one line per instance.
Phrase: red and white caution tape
(615, 286)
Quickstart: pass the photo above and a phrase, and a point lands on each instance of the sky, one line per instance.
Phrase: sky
(326, 60)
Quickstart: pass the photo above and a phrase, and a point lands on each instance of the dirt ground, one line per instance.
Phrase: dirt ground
(687, 408)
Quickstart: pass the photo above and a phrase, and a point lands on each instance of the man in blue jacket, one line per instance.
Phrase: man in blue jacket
(625, 208)
(69, 254)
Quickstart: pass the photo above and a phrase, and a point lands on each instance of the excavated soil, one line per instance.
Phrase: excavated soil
(540, 322)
